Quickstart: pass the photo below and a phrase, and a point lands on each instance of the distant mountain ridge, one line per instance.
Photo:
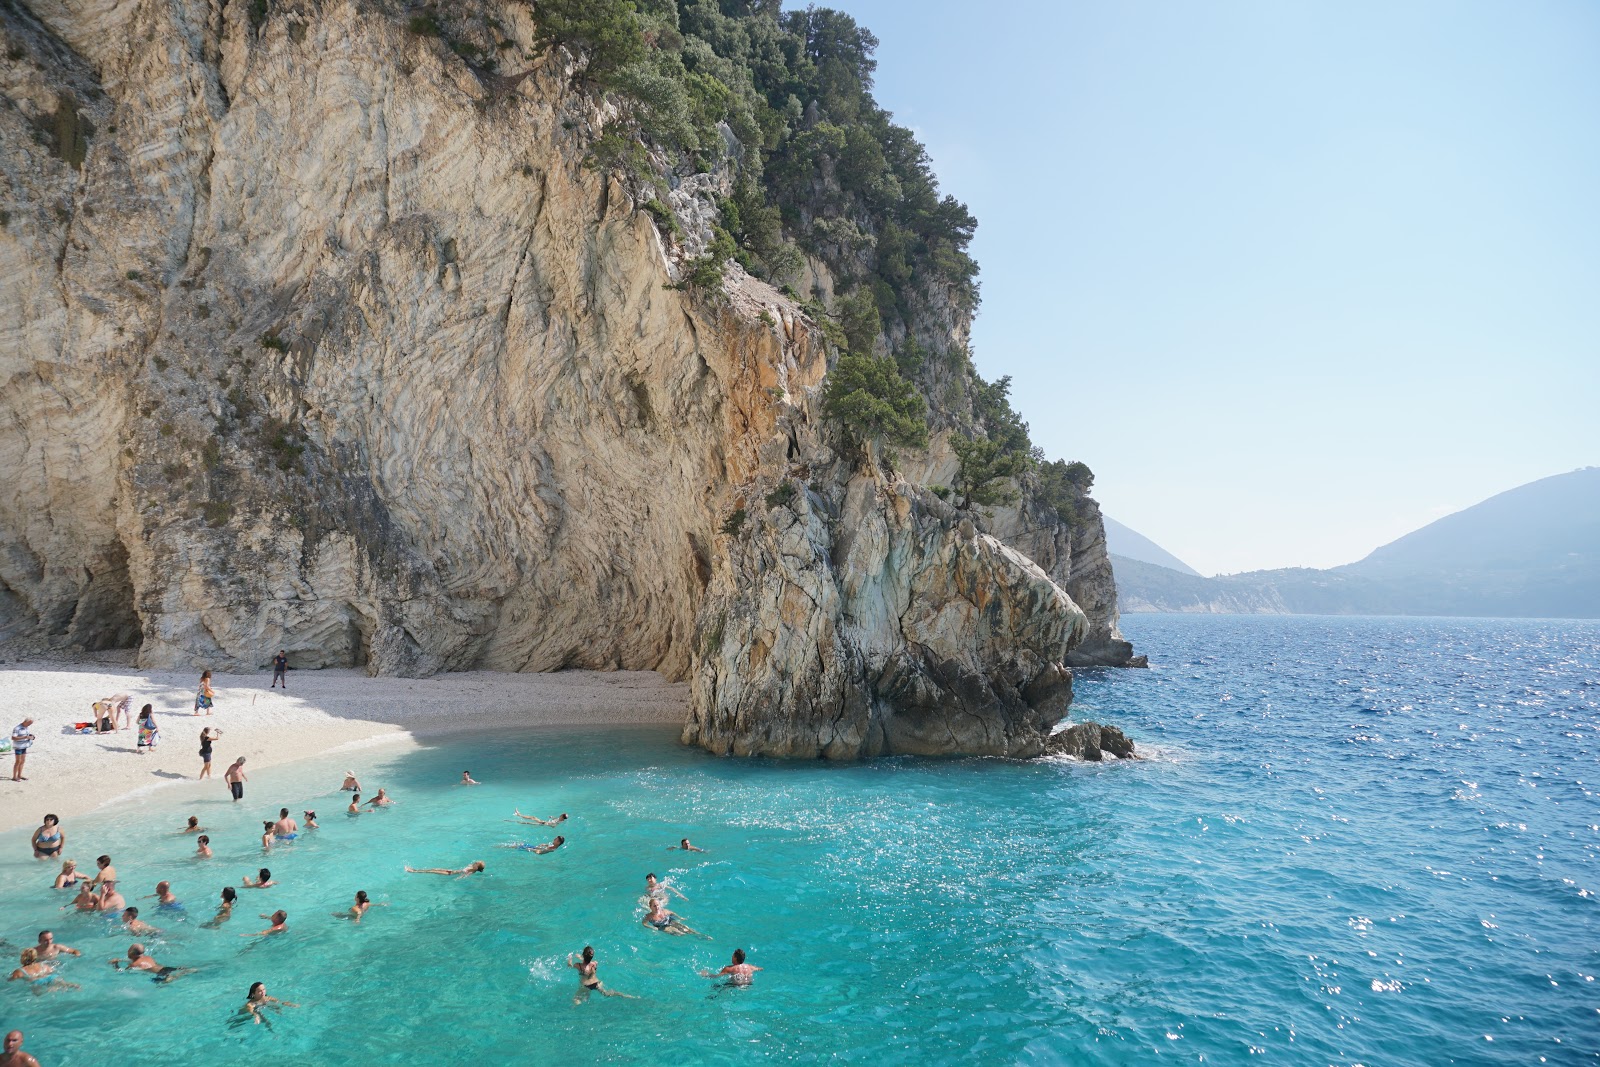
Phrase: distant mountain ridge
(1530, 552)
(1131, 544)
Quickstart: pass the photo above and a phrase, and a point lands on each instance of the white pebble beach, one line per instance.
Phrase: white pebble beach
(322, 710)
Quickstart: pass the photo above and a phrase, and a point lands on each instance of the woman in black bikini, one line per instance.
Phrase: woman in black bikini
(588, 980)
(48, 839)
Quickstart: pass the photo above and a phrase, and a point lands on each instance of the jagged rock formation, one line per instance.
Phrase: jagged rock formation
(316, 336)
(1090, 741)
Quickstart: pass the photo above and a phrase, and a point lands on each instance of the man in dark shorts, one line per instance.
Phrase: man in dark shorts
(21, 741)
(280, 669)
(235, 778)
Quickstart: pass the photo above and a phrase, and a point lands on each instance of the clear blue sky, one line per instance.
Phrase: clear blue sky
(1293, 278)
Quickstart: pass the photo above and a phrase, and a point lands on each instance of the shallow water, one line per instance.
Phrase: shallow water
(1359, 841)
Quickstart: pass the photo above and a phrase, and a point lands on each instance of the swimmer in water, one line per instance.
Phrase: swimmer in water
(107, 873)
(262, 881)
(110, 899)
(42, 975)
(204, 851)
(685, 846)
(285, 829)
(257, 1000)
(358, 909)
(654, 890)
(139, 961)
(588, 979)
(659, 918)
(467, 779)
(737, 973)
(311, 820)
(137, 926)
(472, 868)
(557, 821)
(49, 950)
(194, 826)
(355, 805)
(86, 900)
(266, 834)
(549, 846)
(164, 897)
(13, 1056)
(224, 910)
(350, 782)
(69, 875)
(280, 923)
(382, 800)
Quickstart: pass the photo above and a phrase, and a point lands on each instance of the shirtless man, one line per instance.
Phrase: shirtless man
(86, 900)
(110, 899)
(355, 805)
(654, 890)
(138, 961)
(467, 779)
(280, 923)
(164, 898)
(49, 950)
(382, 800)
(137, 926)
(13, 1056)
(235, 777)
(285, 828)
(685, 846)
(194, 826)
(107, 873)
(738, 972)
(557, 821)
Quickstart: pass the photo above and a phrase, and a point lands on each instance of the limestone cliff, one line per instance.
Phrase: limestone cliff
(317, 336)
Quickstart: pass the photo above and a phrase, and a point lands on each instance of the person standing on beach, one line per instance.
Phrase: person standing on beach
(21, 741)
(208, 734)
(280, 670)
(148, 733)
(13, 1056)
(235, 777)
(205, 697)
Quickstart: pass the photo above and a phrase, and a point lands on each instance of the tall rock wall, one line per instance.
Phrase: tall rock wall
(317, 337)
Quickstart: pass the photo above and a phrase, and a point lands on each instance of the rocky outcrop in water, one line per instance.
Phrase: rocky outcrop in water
(316, 336)
(1090, 741)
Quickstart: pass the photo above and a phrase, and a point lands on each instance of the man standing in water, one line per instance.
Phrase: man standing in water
(13, 1056)
(236, 779)
(285, 829)
(280, 670)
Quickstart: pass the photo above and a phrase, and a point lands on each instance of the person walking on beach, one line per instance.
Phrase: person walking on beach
(588, 977)
(208, 734)
(48, 839)
(21, 741)
(474, 867)
(204, 698)
(280, 670)
(235, 777)
(13, 1056)
(738, 972)
(49, 950)
(148, 734)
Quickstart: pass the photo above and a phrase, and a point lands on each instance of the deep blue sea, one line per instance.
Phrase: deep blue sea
(1355, 841)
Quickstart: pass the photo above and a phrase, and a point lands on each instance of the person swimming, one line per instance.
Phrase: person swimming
(654, 890)
(256, 1001)
(261, 881)
(69, 875)
(659, 918)
(280, 923)
(139, 960)
(467, 779)
(193, 826)
(350, 782)
(685, 846)
(474, 867)
(358, 909)
(355, 805)
(204, 851)
(267, 835)
(311, 820)
(87, 899)
(557, 821)
(40, 974)
(107, 873)
(382, 800)
(48, 949)
(549, 846)
(110, 899)
(224, 910)
(137, 926)
(589, 978)
(737, 973)
(164, 898)
(285, 829)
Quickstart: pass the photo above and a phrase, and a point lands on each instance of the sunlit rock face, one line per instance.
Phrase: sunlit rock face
(315, 338)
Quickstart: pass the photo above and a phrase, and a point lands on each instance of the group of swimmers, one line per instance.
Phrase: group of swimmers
(99, 895)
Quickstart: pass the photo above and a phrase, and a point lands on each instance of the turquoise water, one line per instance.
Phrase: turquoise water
(1359, 841)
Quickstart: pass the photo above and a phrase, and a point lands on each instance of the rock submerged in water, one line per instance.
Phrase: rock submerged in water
(1090, 741)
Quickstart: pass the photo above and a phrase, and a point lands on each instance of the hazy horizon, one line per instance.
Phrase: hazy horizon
(1294, 281)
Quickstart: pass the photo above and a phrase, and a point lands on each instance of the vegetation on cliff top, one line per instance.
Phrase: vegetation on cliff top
(785, 99)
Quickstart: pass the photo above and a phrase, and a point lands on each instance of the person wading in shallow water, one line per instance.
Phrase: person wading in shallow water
(235, 777)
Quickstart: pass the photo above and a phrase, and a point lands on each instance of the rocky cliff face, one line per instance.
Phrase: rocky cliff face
(316, 336)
